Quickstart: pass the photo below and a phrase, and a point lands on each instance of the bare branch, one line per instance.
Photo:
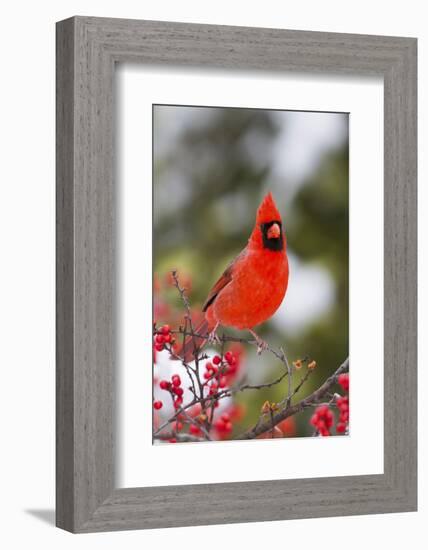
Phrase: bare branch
(282, 410)
(290, 410)
(182, 292)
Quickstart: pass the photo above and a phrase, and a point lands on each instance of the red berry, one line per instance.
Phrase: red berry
(314, 419)
(178, 391)
(321, 425)
(157, 405)
(178, 426)
(165, 329)
(195, 430)
(222, 382)
(344, 408)
(219, 425)
(159, 338)
(228, 356)
(167, 338)
(322, 410)
(158, 347)
(172, 440)
(178, 401)
(223, 424)
(176, 380)
(207, 375)
(164, 385)
(216, 360)
(340, 427)
(231, 369)
(343, 380)
(228, 427)
(213, 388)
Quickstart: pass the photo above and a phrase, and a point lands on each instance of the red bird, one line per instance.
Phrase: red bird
(252, 287)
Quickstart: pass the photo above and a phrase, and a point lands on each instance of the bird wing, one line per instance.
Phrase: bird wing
(223, 281)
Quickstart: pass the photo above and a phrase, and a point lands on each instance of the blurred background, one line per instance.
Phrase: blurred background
(212, 167)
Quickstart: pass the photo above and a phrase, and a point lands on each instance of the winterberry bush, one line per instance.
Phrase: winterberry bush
(199, 400)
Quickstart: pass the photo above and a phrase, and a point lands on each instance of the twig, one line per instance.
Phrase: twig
(289, 376)
(225, 338)
(188, 316)
(290, 410)
(208, 402)
(188, 368)
(231, 391)
(174, 417)
(182, 292)
(197, 424)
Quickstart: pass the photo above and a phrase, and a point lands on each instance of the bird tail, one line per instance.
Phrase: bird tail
(192, 344)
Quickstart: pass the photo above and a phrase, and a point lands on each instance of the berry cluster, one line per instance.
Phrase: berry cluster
(322, 420)
(163, 336)
(195, 430)
(174, 388)
(323, 417)
(343, 380)
(220, 372)
(223, 425)
(343, 404)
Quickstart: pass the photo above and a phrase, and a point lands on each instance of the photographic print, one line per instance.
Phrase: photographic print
(250, 274)
(237, 249)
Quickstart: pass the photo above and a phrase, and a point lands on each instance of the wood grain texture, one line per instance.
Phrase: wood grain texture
(87, 50)
(64, 277)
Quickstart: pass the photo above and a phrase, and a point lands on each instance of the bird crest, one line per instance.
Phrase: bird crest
(267, 211)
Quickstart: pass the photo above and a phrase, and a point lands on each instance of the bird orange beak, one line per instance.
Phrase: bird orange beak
(274, 231)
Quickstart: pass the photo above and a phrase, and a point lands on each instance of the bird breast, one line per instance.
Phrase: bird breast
(255, 292)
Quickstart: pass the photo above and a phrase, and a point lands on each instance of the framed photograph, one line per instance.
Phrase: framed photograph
(236, 274)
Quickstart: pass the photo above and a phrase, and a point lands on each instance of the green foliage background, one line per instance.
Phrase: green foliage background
(208, 183)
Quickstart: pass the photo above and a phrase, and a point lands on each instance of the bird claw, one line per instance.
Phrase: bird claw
(213, 337)
(261, 344)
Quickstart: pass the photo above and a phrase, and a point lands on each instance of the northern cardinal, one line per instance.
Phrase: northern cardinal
(251, 288)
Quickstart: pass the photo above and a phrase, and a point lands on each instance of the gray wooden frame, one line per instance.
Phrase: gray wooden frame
(87, 50)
